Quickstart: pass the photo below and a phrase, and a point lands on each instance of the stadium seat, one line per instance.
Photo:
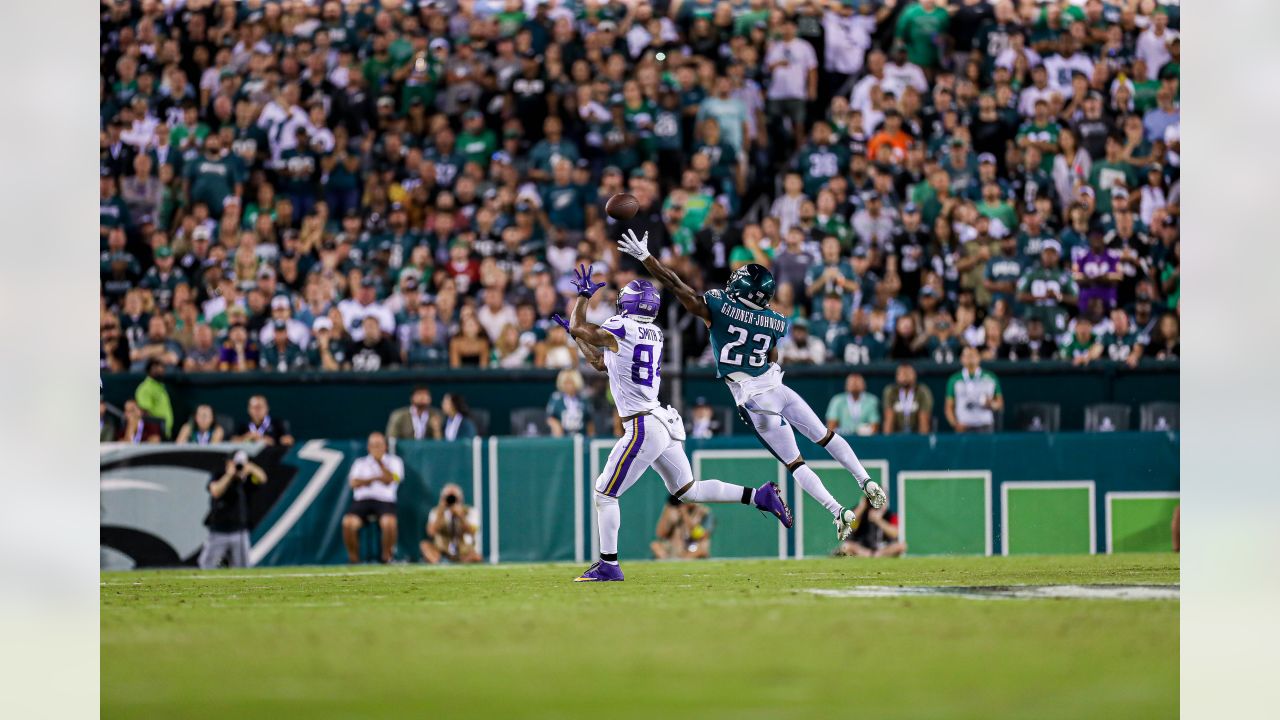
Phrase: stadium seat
(1158, 416)
(1038, 417)
(1106, 417)
(530, 422)
(225, 422)
(480, 417)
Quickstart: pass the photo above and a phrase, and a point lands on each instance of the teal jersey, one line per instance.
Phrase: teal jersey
(741, 337)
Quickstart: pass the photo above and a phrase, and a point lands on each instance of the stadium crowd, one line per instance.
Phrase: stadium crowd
(361, 185)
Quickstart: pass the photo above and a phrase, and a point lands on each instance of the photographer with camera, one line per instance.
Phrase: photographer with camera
(374, 480)
(451, 529)
(684, 531)
(228, 518)
(973, 396)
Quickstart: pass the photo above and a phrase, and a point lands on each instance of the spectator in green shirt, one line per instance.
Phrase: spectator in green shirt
(920, 27)
(854, 411)
(153, 397)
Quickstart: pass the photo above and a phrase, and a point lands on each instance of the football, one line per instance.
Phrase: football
(622, 206)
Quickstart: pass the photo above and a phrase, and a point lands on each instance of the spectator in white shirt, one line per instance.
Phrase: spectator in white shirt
(800, 348)
(1037, 91)
(365, 304)
(496, 313)
(900, 74)
(374, 480)
(860, 98)
(793, 80)
(1064, 63)
(847, 36)
(1153, 43)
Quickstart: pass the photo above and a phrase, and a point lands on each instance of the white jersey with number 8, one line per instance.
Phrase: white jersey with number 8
(634, 369)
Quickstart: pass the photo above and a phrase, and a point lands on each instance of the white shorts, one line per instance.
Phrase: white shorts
(648, 440)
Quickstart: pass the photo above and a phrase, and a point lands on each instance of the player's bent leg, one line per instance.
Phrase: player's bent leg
(799, 414)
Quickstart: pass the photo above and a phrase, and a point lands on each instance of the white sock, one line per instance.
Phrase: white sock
(610, 520)
(809, 482)
(840, 450)
(713, 491)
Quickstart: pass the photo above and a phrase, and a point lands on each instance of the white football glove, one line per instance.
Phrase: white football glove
(637, 248)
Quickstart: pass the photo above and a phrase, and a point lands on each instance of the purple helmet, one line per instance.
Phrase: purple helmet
(639, 299)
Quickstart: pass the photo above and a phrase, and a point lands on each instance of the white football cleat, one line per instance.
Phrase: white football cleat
(844, 524)
(875, 494)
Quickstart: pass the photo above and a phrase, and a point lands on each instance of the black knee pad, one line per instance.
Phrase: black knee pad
(791, 466)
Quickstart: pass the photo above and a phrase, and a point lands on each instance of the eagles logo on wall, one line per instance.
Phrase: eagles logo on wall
(155, 497)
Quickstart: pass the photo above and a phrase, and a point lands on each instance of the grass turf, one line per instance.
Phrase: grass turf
(718, 639)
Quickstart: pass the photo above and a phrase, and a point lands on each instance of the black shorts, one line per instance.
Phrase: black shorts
(371, 509)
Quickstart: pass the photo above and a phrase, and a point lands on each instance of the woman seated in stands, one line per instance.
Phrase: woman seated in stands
(568, 410)
(201, 429)
(456, 425)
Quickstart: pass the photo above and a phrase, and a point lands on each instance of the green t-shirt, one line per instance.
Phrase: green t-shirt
(854, 417)
(1076, 349)
(1001, 268)
(820, 163)
(1041, 283)
(272, 358)
(1047, 133)
(477, 148)
(153, 398)
(573, 412)
(697, 206)
(920, 30)
(1105, 176)
(1119, 347)
(544, 155)
(969, 393)
(212, 181)
(667, 131)
(859, 349)
(741, 337)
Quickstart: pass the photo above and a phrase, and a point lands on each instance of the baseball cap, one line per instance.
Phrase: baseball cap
(986, 159)
(280, 301)
(860, 251)
(368, 281)
(322, 323)
(910, 208)
(438, 43)
(266, 272)
(800, 322)
(472, 115)
(201, 233)
(701, 400)
(1051, 244)
(410, 282)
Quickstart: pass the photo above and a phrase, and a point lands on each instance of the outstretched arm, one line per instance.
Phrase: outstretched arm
(688, 297)
(583, 332)
(590, 352)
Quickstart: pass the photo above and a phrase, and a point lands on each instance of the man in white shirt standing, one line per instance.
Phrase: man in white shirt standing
(848, 35)
(374, 480)
(793, 80)
(1153, 43)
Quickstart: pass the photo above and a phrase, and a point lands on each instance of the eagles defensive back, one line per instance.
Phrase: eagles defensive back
(630, 350)
(744, 337)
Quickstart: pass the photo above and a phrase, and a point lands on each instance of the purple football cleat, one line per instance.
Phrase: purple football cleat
(601, 572)
(769, 500)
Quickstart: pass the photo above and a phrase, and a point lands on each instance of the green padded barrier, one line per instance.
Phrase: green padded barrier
(532, 488)
(1047, 517)
(742, 531)
(1140, 521)
(946, 512)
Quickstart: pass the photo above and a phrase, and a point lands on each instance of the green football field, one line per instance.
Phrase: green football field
(731, 639)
